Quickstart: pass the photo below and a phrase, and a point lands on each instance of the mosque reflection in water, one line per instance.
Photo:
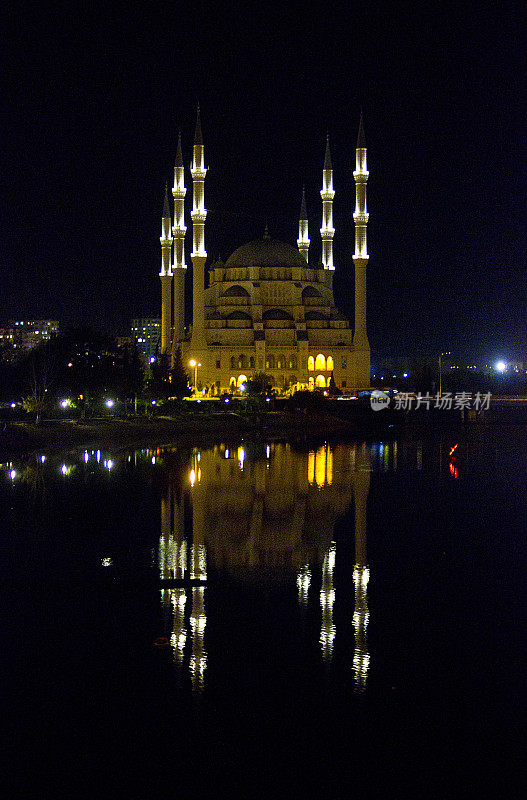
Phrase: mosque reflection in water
(263, 512)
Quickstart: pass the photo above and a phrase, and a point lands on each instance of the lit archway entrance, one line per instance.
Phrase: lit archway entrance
(320, 382)
(242, 379)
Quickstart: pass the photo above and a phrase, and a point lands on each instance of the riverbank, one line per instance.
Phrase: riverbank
(18, 438)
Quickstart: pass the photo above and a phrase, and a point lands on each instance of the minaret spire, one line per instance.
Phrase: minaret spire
(361, 139)
(199, 254)
(179, 230)
(327, 231)
(360, 258)
(166, 276)
(327, 157)
(303, 236)
(198, 137)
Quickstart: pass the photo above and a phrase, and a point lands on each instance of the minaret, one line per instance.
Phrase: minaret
(199, 254)
(166, 277)
(303, 236)
(327, 194)
(360, 337)
(178, 231)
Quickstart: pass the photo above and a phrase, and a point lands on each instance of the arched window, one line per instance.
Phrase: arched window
(242, 379)
(276, 313)
(280, 362)
(242, 361)
(251, 362)
(311, 383)
(232, 383)
(311, 363)
(233, 362)
(236, 291)
(329, 364)
(320, 382)
(320, 363)
(269, 364)
(292, 362)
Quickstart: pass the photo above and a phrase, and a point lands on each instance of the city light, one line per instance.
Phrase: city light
(501, 366)
(12, 474)
(109, 403)
(65, 403)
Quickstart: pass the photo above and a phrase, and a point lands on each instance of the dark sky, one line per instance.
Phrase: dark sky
(94, 96)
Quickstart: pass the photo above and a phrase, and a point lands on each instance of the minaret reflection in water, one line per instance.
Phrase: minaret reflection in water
(263, 513)
(361, 572)
(179, 561)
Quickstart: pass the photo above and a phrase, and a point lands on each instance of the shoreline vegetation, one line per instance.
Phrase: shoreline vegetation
(194, 428)
(18, 438)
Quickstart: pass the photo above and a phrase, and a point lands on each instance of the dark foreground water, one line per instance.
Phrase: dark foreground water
(338, 620)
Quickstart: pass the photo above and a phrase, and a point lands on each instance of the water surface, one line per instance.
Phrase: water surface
(336, 618)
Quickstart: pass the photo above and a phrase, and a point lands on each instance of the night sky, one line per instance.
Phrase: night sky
(94, 97)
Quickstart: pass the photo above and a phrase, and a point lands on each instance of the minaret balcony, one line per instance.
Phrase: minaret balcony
(361, 174)
(198, 216)
(327, 233)
(361, 257)
(166, 241)
(198, 174)
(179, 193)
(361, 218)
(179, 231)
(327, 195)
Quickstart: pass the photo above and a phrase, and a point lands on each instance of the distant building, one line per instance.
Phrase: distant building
(19, 336)
(146, 332)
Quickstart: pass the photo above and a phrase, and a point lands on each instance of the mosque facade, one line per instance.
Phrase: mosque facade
(268, 308)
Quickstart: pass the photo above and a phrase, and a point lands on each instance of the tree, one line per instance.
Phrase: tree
(159, 381)
(179, 381)
(132, 373)
(260, 383)
(333, 389)
(38, 376)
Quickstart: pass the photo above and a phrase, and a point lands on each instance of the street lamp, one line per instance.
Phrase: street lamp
(195, 364)
(440, 356)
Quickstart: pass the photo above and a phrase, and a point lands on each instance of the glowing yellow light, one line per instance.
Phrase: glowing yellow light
(192, 363)
(311, 466)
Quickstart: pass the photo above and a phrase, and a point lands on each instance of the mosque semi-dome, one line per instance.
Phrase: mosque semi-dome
(266, 252)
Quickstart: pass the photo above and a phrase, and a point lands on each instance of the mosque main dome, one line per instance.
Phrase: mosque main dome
(266, 252)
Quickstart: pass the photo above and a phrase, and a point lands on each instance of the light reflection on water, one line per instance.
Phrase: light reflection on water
(265, 510)
(260, 513)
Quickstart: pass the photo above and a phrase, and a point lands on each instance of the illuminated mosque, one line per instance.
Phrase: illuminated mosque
(269, 308)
